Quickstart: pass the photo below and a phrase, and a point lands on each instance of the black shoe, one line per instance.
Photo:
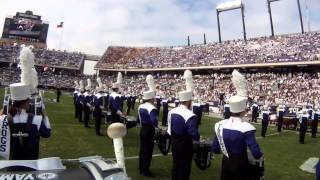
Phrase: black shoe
(98, 134)
(147, 174)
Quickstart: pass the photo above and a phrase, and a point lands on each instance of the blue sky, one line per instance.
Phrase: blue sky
(92, 25)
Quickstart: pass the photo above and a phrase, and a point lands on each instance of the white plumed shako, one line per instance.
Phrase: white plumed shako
(19, 91)
(100, 85)
(238, 103)
(187, 94)
(29, 75)
(152, 88)
(77, 86)
(89, 85)
(81, 85)
(117, 84)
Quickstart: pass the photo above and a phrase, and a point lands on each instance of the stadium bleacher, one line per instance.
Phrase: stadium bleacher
(51, 58)
(278, 49)
(208, 85)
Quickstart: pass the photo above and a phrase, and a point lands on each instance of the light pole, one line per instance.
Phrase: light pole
(227, 6)
(300, 15)
(270, 15)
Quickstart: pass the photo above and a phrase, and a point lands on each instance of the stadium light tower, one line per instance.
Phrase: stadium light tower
(270, 15)
(227, 6)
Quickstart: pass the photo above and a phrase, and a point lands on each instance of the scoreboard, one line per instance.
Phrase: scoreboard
(26, 26)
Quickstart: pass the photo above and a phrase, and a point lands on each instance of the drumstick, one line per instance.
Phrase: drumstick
(116, 131)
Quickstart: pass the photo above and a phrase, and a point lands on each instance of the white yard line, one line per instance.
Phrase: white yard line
(154, 155)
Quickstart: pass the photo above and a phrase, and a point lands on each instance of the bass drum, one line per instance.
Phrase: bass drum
(163, 139)
(202, 154)
(129, 121)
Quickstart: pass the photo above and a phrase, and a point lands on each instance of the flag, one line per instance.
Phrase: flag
(60, 25)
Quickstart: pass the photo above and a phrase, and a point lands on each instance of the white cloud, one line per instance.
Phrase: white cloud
(91, 25)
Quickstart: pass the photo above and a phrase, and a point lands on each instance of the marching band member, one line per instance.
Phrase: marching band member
(26, 128)
(115, 100)
(303, 120)
(165, 110)
(314, 126)
(158, 97)
(226, 111)
(99, 103)
(281, 112)
(75, 93)
(87, 100)
(196, 109)
(80, 101)
(59, 93)
(254, 112)
(133, 101)
(265, 120)
(310, 111)
(106, 96)
(234, 135)
(129, 103)
(182, 126)
(122, 99)
(147, 116)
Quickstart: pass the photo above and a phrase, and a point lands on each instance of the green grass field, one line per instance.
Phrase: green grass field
(283, 153)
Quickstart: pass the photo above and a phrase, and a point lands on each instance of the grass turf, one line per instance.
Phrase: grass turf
(283, 153)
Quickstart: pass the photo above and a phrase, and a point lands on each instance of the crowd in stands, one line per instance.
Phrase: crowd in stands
(289, 88)
(49, 78)
(43, 57)
(278, 49)
(264, 88)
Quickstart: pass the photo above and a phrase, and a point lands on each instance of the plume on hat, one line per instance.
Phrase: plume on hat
(77, 86)
(100, 85)
(119, 79)
(89, 85)
(99, 82)
(150, 83)
(105, 87)
(29, 75)
(81, 85)
(240, 83)
(189, 80)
